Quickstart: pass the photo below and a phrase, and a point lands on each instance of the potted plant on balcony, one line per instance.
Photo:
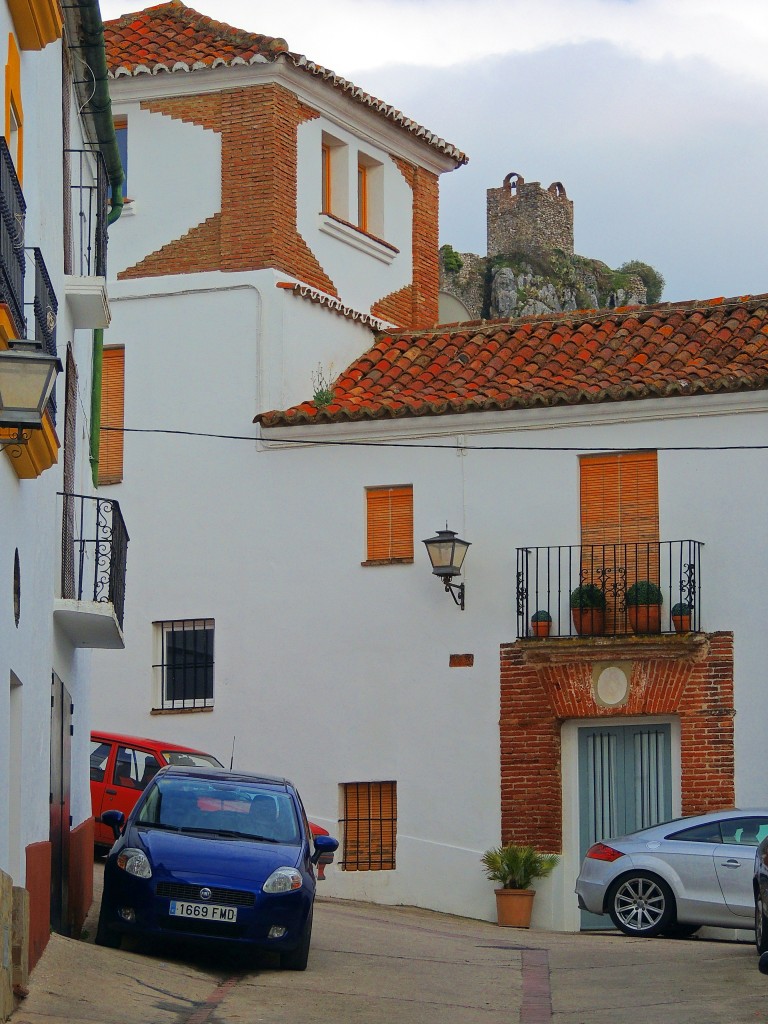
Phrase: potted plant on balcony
(588, 609)
(515, 867)
(681, 617)
(541, 622)
(643, 600)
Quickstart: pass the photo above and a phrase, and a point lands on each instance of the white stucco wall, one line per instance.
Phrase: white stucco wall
(174, 190)
(361, 277)
(31, 510)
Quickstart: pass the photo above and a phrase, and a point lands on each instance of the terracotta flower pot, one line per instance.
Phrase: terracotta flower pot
(682, 623)
(514, 907)
(644, 618)
(589, 621)
(541, 628)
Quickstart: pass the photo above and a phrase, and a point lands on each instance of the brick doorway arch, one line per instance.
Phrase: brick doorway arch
(545, 683)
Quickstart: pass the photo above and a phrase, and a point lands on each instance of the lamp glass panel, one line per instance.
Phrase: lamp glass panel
(441, 553)
(25, 386)
(460, 550)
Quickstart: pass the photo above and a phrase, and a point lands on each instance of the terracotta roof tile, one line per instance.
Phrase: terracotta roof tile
(172, 37)
(590, 356)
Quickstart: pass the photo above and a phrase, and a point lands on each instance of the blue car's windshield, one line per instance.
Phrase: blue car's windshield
(236, 809)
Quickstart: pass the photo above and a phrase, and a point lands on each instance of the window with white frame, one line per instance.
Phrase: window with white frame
(359, 204)
(184, 664)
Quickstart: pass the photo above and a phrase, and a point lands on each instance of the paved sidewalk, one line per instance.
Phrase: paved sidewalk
(391, 965)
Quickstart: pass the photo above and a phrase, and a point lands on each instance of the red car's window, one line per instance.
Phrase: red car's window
(134, 768)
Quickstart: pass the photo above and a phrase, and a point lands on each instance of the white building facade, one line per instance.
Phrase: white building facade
(57, 159)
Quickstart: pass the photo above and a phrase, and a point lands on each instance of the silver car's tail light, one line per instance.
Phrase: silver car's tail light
(602, 852)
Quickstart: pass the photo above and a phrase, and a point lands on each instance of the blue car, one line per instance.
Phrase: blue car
(214, 855)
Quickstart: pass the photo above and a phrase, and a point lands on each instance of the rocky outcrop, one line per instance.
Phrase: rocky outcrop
(516, 285)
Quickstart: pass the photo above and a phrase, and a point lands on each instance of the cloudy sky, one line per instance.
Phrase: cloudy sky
(653, 113)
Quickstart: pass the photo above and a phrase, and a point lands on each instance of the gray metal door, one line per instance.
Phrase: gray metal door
(625, 783)
(60, 822)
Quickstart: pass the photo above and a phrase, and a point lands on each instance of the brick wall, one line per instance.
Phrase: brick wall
(256, 227)
(538, 695)
(415, 306)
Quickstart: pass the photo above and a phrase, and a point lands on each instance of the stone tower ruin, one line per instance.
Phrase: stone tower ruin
(527, 219)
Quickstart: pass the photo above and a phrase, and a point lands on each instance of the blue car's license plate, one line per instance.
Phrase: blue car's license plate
(202, 911)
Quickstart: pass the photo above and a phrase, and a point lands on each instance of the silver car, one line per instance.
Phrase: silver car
(672, 878)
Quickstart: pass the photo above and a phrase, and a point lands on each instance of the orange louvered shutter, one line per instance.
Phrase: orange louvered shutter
(389, 523)
(619, 521)
(370, 826)
(112, 410)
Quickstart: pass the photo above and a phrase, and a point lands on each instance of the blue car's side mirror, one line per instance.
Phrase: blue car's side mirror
(324, 844)
(115, 820)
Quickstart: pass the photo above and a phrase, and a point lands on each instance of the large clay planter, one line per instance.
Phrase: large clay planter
(589, 621)
(514, 907)
(644, 618)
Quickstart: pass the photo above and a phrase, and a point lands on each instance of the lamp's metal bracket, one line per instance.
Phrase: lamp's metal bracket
(456, 590)
(22, 437)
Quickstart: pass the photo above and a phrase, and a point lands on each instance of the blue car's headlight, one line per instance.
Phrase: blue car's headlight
(135, 862)
(283, 880)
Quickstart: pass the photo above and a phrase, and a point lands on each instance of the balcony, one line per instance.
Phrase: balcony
(12, 213)
(93, 560)
(547, 576)
(45, 308)
(87, 257)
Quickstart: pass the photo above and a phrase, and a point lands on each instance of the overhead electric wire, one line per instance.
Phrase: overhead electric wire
(315, 442)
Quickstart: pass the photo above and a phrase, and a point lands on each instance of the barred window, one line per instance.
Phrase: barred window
(184, 671)
(370, 826)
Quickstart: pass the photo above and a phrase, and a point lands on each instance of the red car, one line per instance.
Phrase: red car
(121, 767)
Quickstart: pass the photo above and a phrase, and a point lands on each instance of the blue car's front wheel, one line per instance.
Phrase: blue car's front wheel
(106, 936)
(296, 959)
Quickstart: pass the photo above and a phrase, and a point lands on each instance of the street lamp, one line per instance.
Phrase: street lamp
(446, 553)
(27, 377)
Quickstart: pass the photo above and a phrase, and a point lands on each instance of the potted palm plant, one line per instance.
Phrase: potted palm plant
(681, 617)
(643, 600)
(588, 609)
(515, 867)
(541, 622)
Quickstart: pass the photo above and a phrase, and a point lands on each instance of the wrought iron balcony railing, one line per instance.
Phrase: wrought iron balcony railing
(548, 576)
(89, 188)
(12, 213)
(94, 551)
(45, 308)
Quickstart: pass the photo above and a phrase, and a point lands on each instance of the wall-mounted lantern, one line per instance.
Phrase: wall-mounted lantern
(27, 378)
(446, 553)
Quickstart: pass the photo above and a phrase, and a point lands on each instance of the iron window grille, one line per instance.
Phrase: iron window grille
(184, 671)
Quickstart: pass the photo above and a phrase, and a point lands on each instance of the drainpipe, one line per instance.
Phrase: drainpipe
(98, 350)
(88, 39)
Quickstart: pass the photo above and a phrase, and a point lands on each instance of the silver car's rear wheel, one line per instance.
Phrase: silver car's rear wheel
(641, 905)
(761, 926)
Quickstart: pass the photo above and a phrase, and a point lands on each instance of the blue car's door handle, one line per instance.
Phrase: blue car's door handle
(732, 863)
